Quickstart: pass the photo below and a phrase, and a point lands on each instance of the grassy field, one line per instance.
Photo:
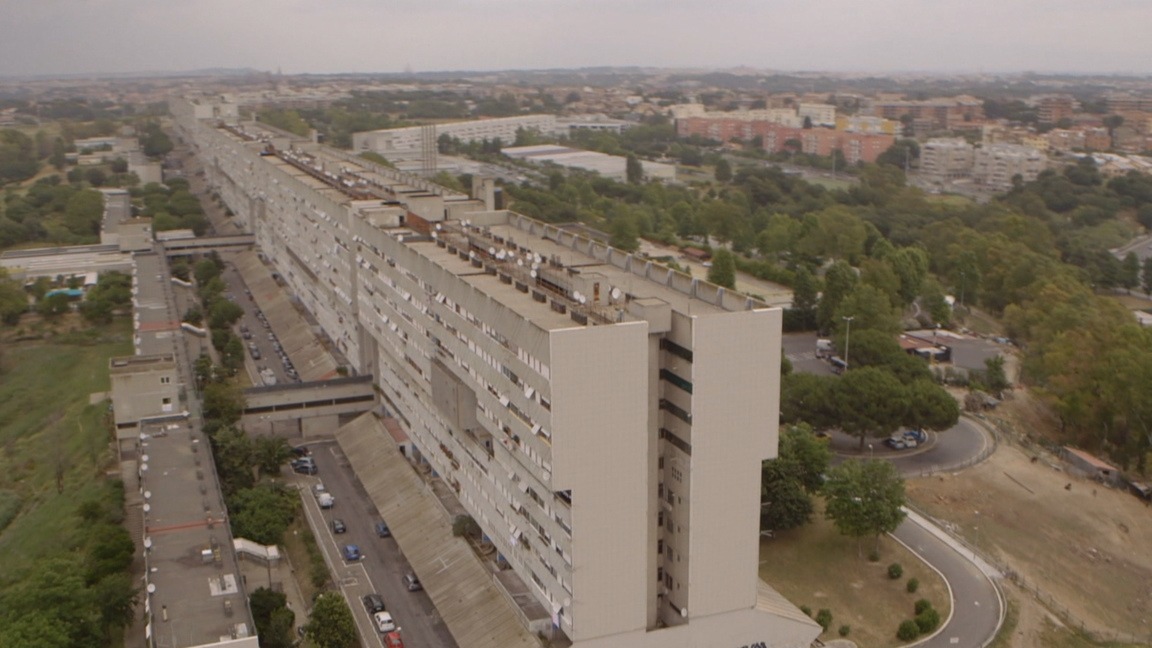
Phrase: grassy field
(817, 567)
(55, 445)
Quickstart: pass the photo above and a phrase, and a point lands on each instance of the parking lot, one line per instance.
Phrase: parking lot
(381, 567)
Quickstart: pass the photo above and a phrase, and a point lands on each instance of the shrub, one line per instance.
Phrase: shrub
(913, 585)
(928, 620)
(806, 610)
(923, 604)
(895, 571)
(824, 618)
(908, 631)
(844, 630)
(873, 556)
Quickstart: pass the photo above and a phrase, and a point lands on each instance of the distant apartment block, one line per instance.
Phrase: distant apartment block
(856, 147)
(1097, 139)
(1122, 102)
(866, 124)
(414, 142)
(996, 165)
(1054, 108)
(1066, 140)
(937, 114)
(946, 159)
(817, 114)
(603, 418)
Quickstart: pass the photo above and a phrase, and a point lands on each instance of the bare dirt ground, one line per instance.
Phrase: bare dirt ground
(1078, 547)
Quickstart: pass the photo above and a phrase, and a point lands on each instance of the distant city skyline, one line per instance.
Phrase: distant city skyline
(48, 37)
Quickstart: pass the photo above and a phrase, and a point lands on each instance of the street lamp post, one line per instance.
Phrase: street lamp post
(847, 338)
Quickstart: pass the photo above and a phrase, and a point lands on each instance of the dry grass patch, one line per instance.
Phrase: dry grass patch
(816, 566)
(1083, 546)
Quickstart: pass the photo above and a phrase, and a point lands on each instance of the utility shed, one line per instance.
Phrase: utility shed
(1093, 466)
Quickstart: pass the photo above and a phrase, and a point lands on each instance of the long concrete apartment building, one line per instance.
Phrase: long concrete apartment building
(417, 142)
(602, 417)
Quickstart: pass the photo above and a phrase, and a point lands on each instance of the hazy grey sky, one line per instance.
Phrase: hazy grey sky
(77, 36)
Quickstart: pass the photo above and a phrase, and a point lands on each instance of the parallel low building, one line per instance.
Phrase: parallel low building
(603, 418)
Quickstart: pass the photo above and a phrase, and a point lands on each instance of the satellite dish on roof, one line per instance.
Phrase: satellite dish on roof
(491, 250)
(151, 588)
(500, 255)
(533, 273)
(520, 262)
(616, 293)
(578, 297)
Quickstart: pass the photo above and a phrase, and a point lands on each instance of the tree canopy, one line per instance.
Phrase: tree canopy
(864, 498)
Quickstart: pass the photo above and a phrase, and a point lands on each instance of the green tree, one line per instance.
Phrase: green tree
(633, 169)
(267, 607)
(38, 628)
(930, 406)
(1130, 272)
(911, 267)
(205, 271)
(869, 402)
(1147, 275)
(331, 624)
(54, 305)
(625, 235)
(117, 600)
(13, 301)
(223, 402)
(864, 498)
(18, 160)
(224, 314)
(723, 270)
(869, 308)
(84, 211)
(723, 170)
(839, 281)
(270, 453)
(808, 398)
(805, 293)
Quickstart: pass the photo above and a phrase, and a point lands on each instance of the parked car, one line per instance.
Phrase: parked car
(382, 529)
(393, 640)
(373, 603)
(326, 500)
(351, 553)
(304, 466)
(384, 622)
(412, 583)
(896, 442)
(338, 526)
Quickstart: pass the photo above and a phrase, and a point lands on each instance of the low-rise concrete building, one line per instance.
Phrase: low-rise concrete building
(996, 165)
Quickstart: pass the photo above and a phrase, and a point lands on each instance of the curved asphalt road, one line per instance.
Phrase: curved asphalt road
(977, 606)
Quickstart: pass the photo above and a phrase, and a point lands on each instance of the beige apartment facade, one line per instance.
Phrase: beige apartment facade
(602, 417)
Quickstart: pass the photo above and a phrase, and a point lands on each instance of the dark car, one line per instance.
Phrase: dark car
(338, 526)
(304, 466)
(373, 603)
(412, 583)
(382, 530)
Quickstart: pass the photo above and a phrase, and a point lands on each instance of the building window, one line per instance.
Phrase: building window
(164, 380)
(675, 349)
(668, 376)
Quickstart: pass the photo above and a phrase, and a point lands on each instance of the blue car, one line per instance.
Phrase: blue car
(382, 530)
(351, 553)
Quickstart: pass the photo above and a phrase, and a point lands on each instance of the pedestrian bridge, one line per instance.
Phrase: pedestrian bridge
(318, 405)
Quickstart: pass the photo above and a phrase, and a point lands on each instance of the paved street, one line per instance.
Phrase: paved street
(382, 566)
(977, 606)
